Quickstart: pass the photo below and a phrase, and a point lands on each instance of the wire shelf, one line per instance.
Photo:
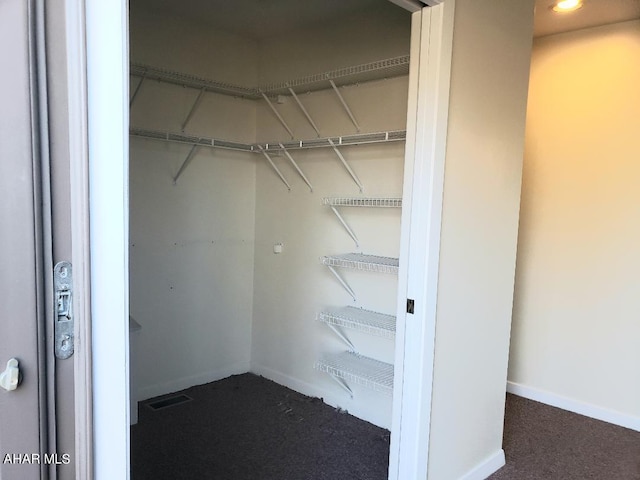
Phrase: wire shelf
(191, 139)
(367, 321)
(387, 68)
(359, 261)
(358, 369)
(356, 139)
(192, 81)
(362, 202)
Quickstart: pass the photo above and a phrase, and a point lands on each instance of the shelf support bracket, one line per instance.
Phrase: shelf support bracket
(342, 384)
(186, 163)
(195, 105)
(273, 109)
(345, 225)
(346, 165)
(304, 110)
(135, 92)
(342, 337)
(345, 105)
(344, 284)
(273, 165)
(295, 165)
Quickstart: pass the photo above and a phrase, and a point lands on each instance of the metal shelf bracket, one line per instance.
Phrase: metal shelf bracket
(295, 165)
(344, 284)
(273, 165)
(185, 164)
(277, 114)
(135, 92)
(346, 165)
(345, 225)
(342, 337)
(304, 110)
(195, 105)
(345, 105)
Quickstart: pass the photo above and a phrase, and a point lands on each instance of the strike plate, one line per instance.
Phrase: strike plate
(63, 323)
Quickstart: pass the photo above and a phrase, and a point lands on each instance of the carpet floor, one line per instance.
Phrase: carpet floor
(246, 427)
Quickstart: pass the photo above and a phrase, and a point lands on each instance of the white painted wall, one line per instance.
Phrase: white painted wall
(575, 327)
(191, 244)
(485, 142)
(373, 34)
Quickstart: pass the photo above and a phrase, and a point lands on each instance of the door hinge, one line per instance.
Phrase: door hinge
(63, 322)
(410, 305)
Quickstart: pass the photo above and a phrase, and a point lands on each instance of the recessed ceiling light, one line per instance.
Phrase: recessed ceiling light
(567, 6)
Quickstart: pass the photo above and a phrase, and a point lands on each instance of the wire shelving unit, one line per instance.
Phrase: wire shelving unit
(351, 367)
(366, 321)
(336, 202)
(361, 261)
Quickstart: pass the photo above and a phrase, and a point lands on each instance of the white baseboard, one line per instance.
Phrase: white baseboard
(576, 406)
(313, 391)
(178, 384)
(491, 465)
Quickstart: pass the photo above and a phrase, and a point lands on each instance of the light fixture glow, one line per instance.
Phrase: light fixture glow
(567, 5)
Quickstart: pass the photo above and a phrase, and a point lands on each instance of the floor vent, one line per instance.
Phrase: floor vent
(167, 402)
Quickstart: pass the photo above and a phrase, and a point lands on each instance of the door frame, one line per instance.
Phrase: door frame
(105, 28)
(107, 67)
(427, 121)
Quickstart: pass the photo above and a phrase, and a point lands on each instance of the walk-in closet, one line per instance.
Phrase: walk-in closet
(266, 167)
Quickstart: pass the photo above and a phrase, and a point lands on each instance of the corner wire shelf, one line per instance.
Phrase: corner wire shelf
(367, 321)
(191, 81)
(379, 69)
(336, 202)
(358, 369)
(386, 68)
(359, 261)
(267, 149)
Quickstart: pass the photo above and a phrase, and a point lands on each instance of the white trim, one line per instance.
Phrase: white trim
(427, 122)
(488, 467)
(311, 390)
(576, 406)
(108, 117)
(150, 391)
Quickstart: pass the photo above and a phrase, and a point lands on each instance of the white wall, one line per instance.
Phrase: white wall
(489, 75)
(575, 326)
(191, 244)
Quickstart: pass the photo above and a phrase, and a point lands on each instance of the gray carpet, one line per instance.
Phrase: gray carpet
(248, 428)
(543, 442)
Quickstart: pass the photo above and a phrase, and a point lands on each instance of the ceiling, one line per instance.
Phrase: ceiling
(592, 14)
(259, 19)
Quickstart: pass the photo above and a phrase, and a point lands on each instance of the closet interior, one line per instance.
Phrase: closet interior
(266, 168)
